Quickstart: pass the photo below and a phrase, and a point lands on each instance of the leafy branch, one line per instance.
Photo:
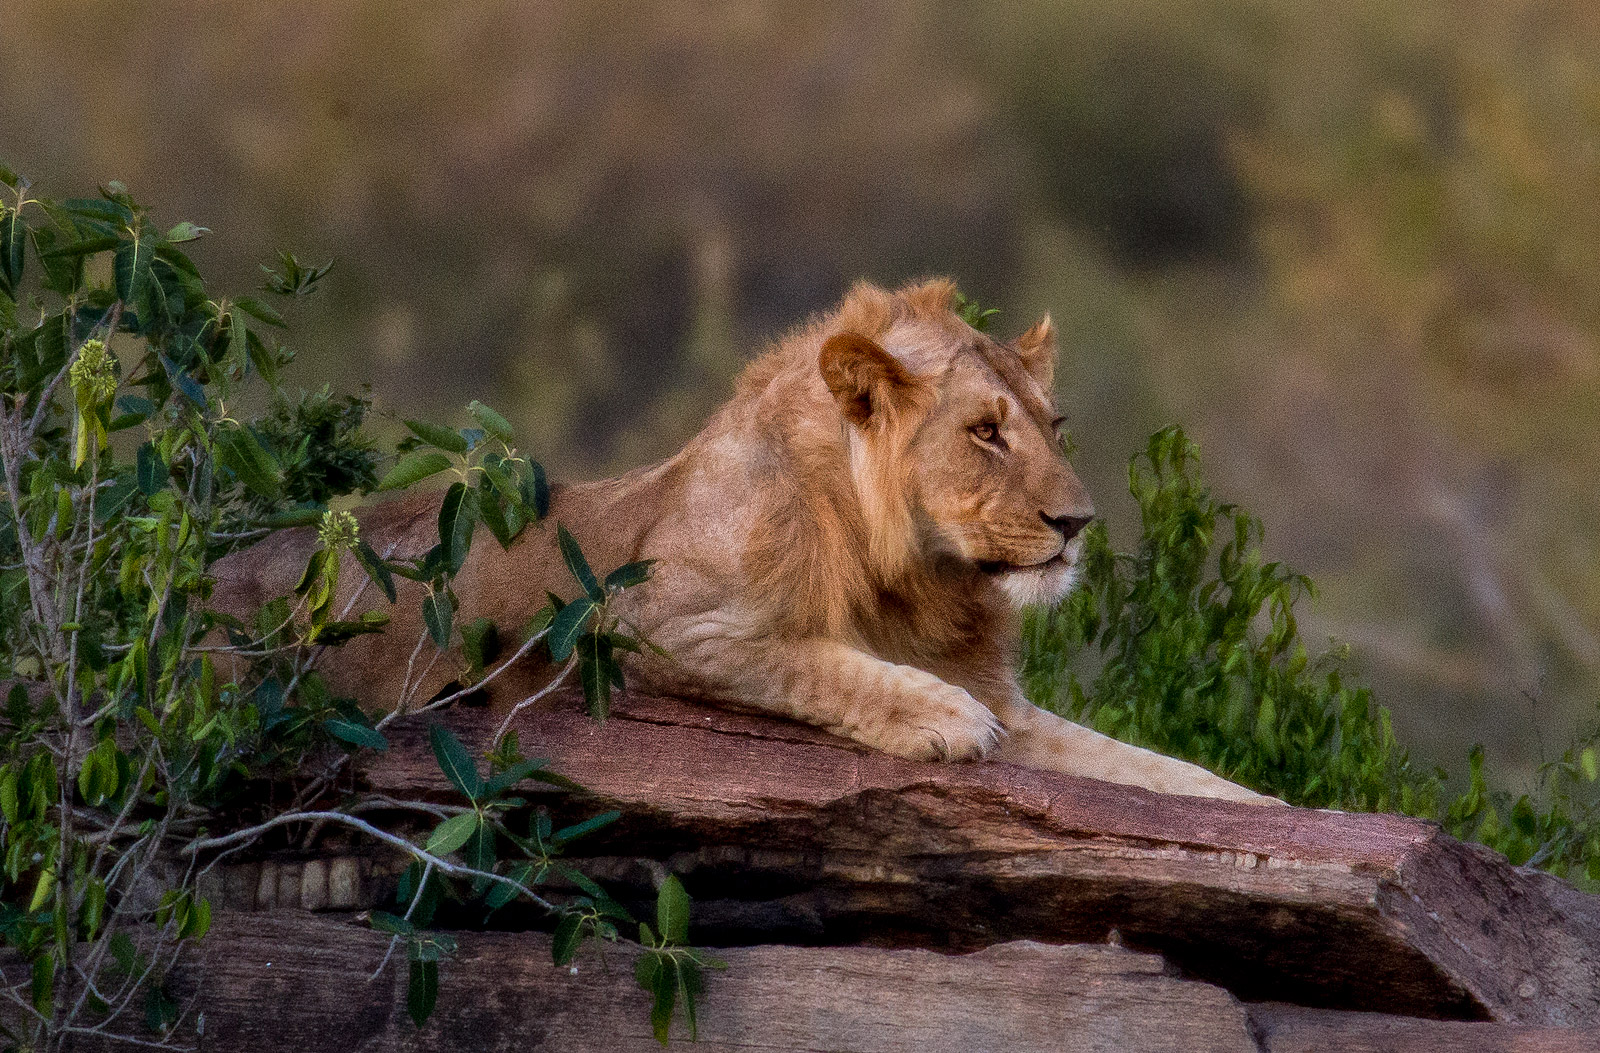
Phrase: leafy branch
(140, 721)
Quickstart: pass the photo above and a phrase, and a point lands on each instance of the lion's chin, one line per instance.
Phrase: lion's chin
(1038, 586)
(1043, 584)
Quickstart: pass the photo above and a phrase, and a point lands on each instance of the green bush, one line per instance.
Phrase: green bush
(129, 763)
(1189, 646)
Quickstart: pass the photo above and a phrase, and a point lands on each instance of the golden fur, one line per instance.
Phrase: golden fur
(847, 542)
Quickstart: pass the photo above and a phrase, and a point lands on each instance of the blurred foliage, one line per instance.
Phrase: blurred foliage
(1189, 646)
(1351, 245)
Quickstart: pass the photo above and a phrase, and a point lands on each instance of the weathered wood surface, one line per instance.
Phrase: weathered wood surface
(1296, 1029)
(786, 834)
(295, 982)
(299, 983)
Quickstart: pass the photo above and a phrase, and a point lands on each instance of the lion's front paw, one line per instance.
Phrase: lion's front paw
(940, 722)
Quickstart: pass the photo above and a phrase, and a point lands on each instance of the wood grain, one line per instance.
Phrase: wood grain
(1296, 1029)
(299, 983)
(786, 834)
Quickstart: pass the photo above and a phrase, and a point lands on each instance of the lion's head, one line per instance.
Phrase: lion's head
(954, 441)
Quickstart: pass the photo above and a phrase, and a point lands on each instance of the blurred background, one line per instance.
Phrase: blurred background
(1350, 246)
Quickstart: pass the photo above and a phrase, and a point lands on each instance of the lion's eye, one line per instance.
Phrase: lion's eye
(987, 432)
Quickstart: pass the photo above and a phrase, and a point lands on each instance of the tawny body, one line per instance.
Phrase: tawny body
(848, 543)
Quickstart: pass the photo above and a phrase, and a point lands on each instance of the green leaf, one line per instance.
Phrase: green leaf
(458, 515)
(422, 994)
(85, 247)
(492, 422)
(511, 776)
(375, 567)
(298, 515)
(595, 673)
(432, 947)
(238, 338)
(152, 470)
(114, 497)
(125, 954)
(1591, 769)
(297, 279)
(243, 454)
(666, 996)
(259, 310)
(495, 519)
(672, 911)
(503, 893)
(576, 563)
(436, 435)
(414, 467)
(583, 882)
(1266, 732)
(93, 911)
(186, 231)
(13, 239)
(499, 473)
(198, 922)
(355, 734)
(160, 1010)
(648, 966)
(112, 212)
(130, 268)
(588, 826)
(383, 921)
(568, 626)
(629, 574)
(541, 618)
(98, 778)
(454, 832)
(455, 761)
(437, 614)
(62, 273)
(8, 795)
(184, 382)
(181, 265)
(973, 314)
(43, 980)
(535, 489)
(569, 931)
(260, 357)
(334, 633)
(480, 643)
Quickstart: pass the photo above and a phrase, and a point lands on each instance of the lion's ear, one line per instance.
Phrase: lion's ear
(865, 380)
(1037, 348)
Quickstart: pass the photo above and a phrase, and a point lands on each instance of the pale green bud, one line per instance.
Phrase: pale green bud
(94, 374)
(338, 530)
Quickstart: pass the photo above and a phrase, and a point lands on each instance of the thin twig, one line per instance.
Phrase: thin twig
(535, 697)
(441, 864)
(422, 886)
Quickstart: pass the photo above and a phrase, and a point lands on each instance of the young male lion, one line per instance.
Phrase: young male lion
(847, 543)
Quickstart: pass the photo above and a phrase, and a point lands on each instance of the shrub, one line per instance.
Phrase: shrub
(124, 748)
(1189, 645)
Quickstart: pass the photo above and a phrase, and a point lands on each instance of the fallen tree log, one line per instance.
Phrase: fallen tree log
(785, 834)
(296, 982)
(501, 992)
(866, 903)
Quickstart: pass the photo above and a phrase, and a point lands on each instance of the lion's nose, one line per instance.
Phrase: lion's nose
(1069, 525)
